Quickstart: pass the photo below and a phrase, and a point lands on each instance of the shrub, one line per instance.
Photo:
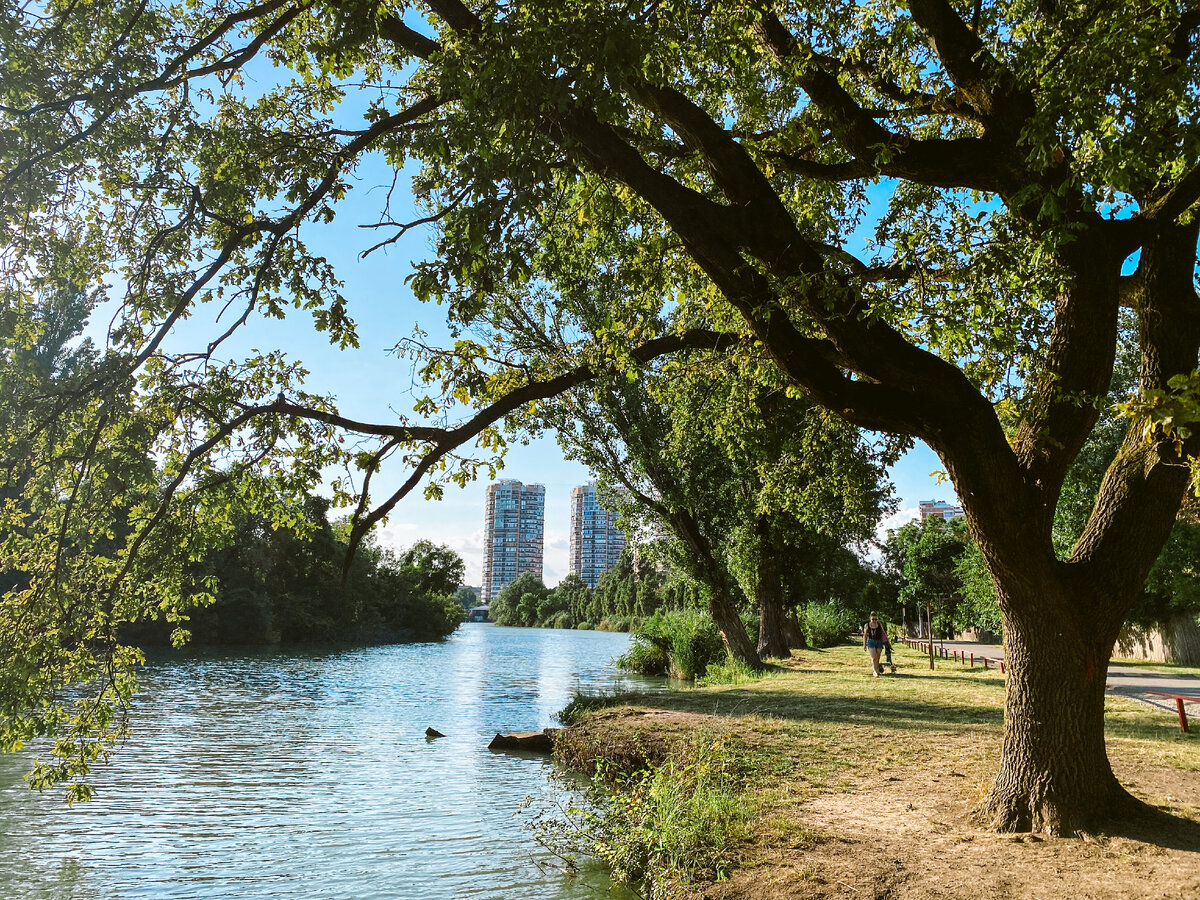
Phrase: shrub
(646, 657)
(616, 623)
(667, 827)
(686, 637)
(826, 624)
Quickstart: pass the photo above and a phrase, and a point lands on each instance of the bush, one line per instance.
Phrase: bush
(646, 657)
(669, 826)
(687, 638)
(617, 623)
(827, 624)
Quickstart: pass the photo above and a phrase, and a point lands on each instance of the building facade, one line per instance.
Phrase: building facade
(940, 509)
(596, 543)
(514, 528)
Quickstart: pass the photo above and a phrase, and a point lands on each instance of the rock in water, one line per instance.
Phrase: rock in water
(529, 741)
(433, 733)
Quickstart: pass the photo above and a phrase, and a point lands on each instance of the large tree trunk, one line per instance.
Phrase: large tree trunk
(1054, 772)
(793, 633)
(768, 593)
(724, 612)
(772, 638)
(1175, 640)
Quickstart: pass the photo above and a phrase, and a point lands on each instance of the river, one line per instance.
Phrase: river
(307, 774)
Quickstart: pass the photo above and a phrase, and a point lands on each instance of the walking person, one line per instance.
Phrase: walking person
(874, 637)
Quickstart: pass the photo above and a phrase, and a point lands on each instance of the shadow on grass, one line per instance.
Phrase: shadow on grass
(877, 712)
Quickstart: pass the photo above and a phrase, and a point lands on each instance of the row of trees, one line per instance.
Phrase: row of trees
(621, 598)
(273, 585)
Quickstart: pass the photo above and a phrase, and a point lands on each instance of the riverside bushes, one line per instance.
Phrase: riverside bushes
(672, 824)
(680, 642)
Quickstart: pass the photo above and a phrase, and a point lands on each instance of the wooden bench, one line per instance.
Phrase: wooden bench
(1179, 699)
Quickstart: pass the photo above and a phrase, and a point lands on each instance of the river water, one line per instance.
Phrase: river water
(292, 774)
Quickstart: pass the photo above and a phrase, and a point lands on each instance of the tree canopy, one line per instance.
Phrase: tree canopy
(923, 215)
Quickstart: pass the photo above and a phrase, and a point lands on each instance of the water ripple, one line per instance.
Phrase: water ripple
(308, 775)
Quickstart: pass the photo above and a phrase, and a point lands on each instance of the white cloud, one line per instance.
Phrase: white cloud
(892, 522)
(895, 520)
(397, 535)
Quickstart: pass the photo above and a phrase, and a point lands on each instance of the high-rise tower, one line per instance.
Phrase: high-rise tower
(514, 526)
(596, 542)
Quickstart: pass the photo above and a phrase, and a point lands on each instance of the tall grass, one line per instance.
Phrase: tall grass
(827, 624)
(674, 824)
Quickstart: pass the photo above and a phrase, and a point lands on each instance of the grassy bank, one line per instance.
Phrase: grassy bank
(788, 768)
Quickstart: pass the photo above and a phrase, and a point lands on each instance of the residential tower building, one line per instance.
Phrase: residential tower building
(514, 528)
(596, 543)
(940, 509)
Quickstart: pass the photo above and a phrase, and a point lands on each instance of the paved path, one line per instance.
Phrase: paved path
(1133, 681)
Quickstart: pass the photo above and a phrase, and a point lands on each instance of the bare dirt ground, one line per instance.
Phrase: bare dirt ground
(906, 835)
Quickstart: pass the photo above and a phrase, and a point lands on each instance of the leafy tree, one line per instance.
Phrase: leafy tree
(712, 158)
(673, 480)
(978, 608)
(571, 596)
(466, 597)
(438, 569)
(517, 603)
(925, 557)
(286, 585)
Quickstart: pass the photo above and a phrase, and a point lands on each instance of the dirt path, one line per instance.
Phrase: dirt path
(906, 836)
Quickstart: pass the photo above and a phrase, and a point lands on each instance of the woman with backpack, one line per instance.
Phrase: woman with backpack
(874, 639)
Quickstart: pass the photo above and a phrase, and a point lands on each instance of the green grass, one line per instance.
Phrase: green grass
(675, 823)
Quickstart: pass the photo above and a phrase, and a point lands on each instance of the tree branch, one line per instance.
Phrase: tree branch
(953, 163)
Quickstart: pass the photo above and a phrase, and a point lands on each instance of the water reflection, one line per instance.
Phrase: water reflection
(308, 775)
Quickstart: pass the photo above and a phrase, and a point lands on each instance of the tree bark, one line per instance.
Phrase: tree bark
(733, 631)
(793, 634)
(768, 590)
(1054, 771)
(1175, 640)
(772, 638)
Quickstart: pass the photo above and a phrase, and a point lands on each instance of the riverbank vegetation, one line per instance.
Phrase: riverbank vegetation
(297, 584)
(622, 598)
(822, 782)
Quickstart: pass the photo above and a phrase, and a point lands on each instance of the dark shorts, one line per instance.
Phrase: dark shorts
(874, 645)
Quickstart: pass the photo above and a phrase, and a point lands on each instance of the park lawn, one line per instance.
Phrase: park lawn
(825, 763)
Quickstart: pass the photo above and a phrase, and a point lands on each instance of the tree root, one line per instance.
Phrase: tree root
(1009, 812)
